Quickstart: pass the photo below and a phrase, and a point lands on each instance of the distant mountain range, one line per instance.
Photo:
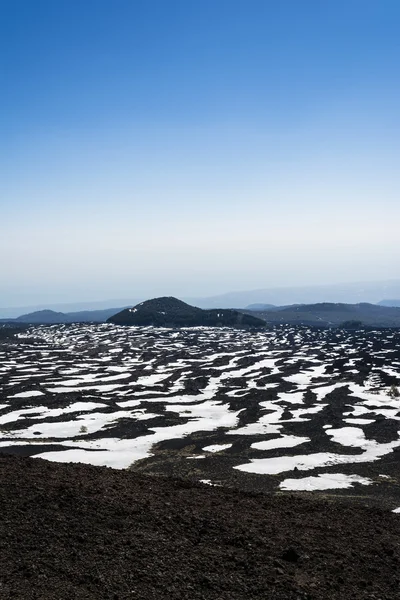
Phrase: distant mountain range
(68, 308)
(389, 303)
(51, 316)
(171, 312)
(372, 292)
(329, 314)
(353, 293)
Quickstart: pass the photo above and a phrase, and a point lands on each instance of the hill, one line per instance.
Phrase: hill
(68, 307)
(260, 306)
(171, 312)
(329, 314)
(44, 317)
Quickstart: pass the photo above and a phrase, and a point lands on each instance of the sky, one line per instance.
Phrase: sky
(192, 147)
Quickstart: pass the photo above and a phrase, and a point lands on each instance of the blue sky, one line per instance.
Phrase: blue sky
(193, 147)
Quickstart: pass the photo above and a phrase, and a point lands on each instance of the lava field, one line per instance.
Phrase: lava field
(285, 409)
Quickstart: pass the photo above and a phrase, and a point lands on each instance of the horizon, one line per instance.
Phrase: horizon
(188, 149)
(348, 293)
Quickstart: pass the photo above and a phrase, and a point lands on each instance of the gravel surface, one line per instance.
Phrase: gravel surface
(72, 531)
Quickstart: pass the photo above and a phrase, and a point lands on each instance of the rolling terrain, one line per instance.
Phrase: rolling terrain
(91, 533)
(289, 408)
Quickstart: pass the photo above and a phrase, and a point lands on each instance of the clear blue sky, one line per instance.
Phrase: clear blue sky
(192, 147)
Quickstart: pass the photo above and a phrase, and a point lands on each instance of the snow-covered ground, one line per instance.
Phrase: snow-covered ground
(269, 403)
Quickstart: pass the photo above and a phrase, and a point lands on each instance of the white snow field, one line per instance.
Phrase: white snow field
(257, 404)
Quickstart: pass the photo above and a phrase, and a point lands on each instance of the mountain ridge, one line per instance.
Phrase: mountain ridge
(48, 316)
(348, 293)
(325, 314)
(353, 292)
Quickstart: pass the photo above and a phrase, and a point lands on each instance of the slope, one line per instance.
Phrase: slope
(171, 312)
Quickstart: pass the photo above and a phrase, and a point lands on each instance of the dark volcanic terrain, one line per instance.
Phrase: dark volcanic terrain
(171, 312)
(285, 409)
(71, 532)
(248, 463)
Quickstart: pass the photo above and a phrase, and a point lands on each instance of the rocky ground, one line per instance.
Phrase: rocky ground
(290, 408)
(82, 532)
(246, 464)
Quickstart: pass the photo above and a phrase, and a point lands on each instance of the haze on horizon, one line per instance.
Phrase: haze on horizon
(192, 148)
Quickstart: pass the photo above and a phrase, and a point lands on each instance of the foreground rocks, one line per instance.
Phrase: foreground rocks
(76, 531)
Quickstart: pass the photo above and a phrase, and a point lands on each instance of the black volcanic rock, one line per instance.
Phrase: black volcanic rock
(77, 532)
(171, 312)
(8, 330)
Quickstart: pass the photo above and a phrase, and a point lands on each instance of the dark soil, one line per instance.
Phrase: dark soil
(76, 531)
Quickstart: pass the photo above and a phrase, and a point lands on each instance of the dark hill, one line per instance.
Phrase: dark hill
(171, 312)
(331, 314)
